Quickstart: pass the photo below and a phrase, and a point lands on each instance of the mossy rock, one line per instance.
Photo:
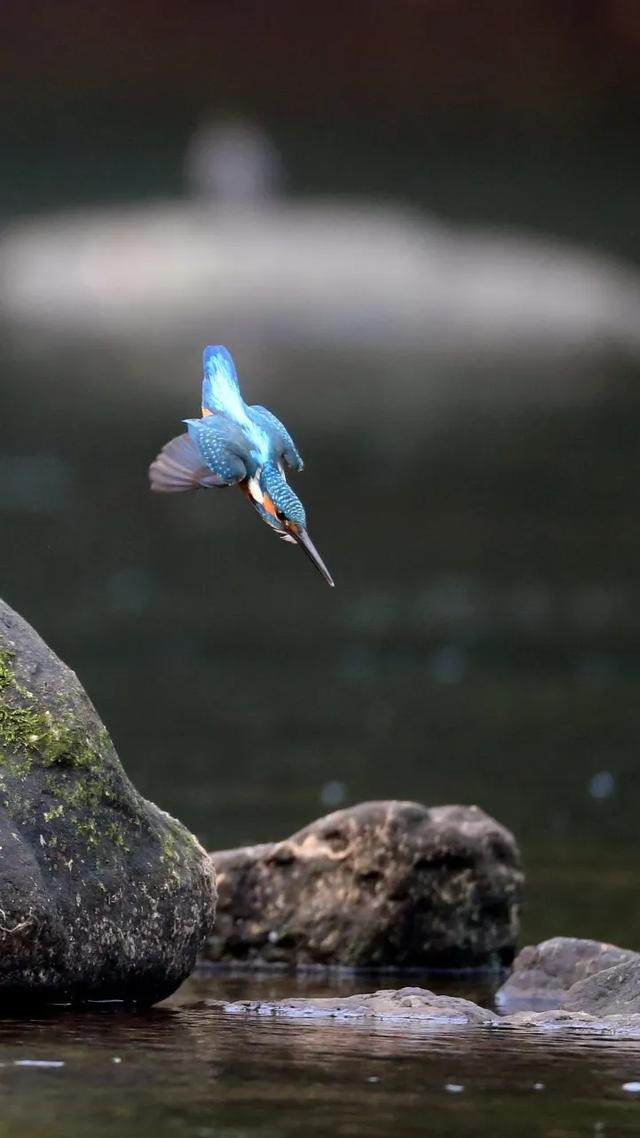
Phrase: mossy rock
(102, 895)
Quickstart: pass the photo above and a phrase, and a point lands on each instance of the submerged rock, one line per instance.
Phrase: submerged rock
(561, 1020)
(543, 973)
(102, 895)
(415, 1009)
(613, 991)
(383, 884)
(401, 1004)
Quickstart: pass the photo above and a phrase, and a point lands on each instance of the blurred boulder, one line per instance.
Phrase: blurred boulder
(613, 991)
(383, 884)
(233, 161)
(102, 895)
(543, 973)
(352, 276)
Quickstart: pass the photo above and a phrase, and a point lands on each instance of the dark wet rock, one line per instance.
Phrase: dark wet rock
(543, 973)
(614, 991)
(384, 884)
(390, 1005)
(102, 895)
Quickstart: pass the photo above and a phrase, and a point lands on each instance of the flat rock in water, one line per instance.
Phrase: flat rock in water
(543, 973)
(417, 1008)
(102, 895)
(558, 1019)
(389, 1005)
(614, 991)
(383, 884)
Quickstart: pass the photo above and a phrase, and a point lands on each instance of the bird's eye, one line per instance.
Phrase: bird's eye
(280, 515)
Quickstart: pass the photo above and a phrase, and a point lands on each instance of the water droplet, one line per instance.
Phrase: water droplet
(596, 669)
(602, 785)
(454, 1088)
(357, 663)
(39, 483)
(632, 1088)
(449, 664)
(333, 793)
(129, 590)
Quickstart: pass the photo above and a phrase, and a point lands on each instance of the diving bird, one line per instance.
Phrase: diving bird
(234, 444)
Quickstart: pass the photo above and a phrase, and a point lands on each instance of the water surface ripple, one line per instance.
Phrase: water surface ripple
(187, 1069)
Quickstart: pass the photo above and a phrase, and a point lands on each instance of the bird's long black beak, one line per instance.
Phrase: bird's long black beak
(303, 539)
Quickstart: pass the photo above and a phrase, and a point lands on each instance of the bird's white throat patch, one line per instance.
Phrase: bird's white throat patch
(254, 488)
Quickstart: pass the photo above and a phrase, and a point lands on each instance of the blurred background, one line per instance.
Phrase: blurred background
(415, 225)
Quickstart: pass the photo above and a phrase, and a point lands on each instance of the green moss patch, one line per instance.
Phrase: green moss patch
(78, 795)
(26, 730)
(76, 774)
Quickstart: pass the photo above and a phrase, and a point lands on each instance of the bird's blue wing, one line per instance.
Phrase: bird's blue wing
(181, 466)
(220, 387)
(281, 441)
(210, 454)
(222, 445)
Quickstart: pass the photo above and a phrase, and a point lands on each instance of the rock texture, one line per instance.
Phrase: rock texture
(543, 973)
(390, 1005)
(415, 1009)
(559, 1020)
(613, 991)
(102, 895)
(384, 884)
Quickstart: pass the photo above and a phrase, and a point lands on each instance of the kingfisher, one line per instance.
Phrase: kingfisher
(234, 444)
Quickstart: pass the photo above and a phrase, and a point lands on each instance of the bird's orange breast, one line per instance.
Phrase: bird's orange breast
(267, 502)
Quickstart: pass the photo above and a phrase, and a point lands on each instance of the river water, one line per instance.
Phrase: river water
(188, 1069)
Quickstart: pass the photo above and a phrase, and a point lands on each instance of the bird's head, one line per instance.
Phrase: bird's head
(281, 509)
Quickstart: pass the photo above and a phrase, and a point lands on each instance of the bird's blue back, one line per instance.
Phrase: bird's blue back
(221, 395)
(267, 439)
(233, 433)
